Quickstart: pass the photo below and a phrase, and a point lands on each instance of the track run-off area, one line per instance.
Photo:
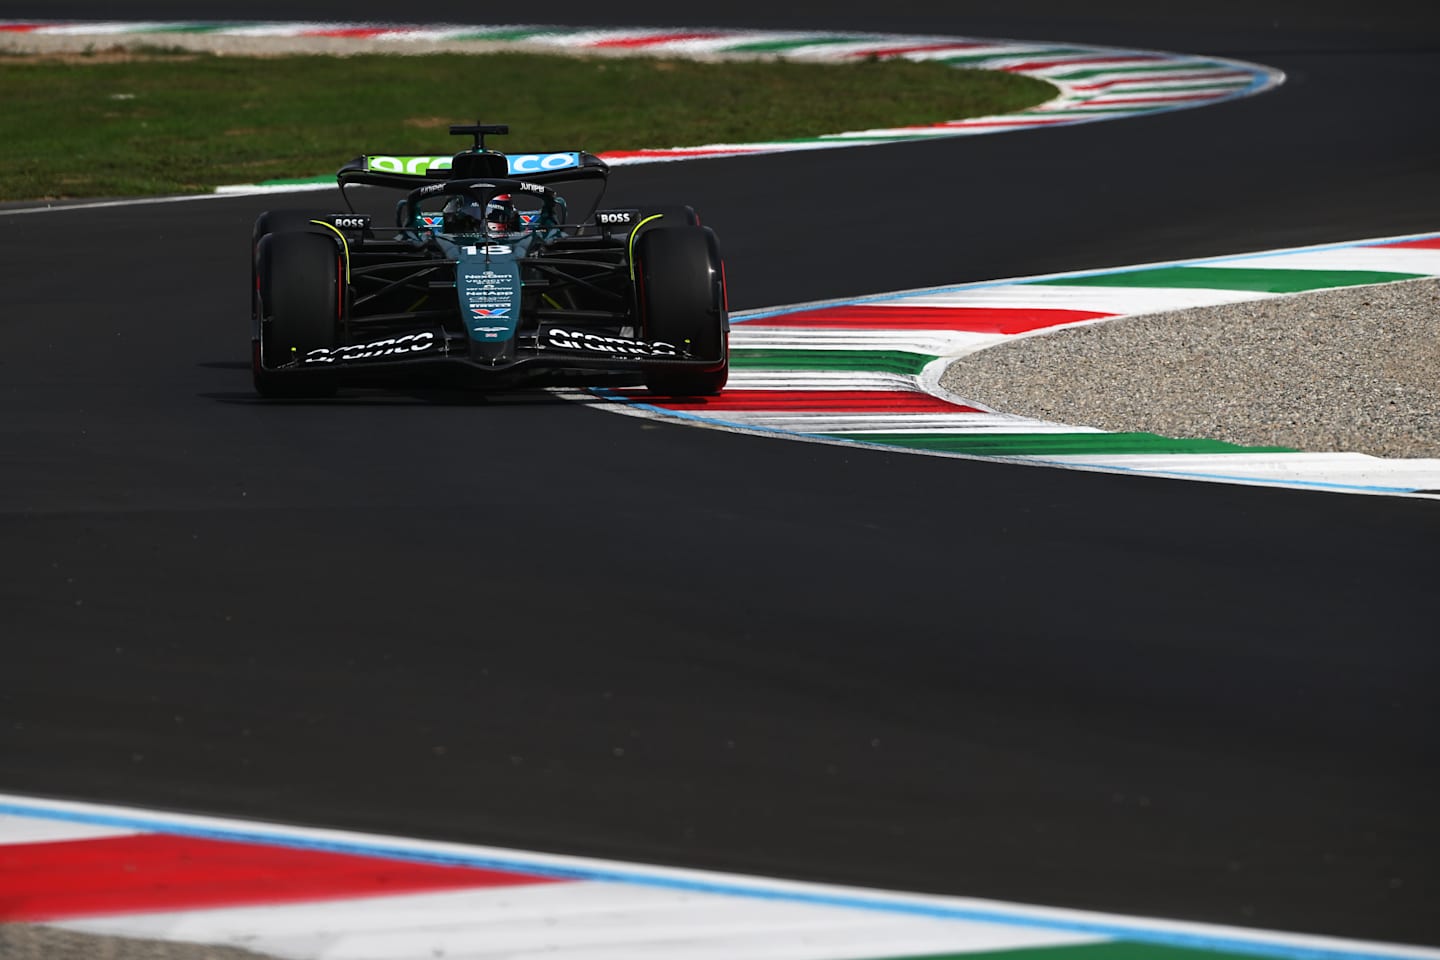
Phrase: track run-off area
(858, 370)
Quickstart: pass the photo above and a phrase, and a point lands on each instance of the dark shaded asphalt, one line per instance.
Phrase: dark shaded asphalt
(525, 622)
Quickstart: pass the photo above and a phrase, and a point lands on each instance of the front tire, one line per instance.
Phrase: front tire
(300, 299)
(680, 288)
(669, 215)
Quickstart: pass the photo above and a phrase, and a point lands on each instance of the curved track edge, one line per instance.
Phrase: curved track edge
(866, 371)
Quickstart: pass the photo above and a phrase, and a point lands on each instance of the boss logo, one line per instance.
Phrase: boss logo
(353, 223)
(614, 218)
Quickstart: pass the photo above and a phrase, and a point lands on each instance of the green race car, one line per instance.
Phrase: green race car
(485, 282)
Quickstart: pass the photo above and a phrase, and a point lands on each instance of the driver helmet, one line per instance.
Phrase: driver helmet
(501, 216)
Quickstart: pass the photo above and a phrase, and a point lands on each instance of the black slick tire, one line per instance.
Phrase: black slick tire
(284, 221)
(670, 215)
(680, 290)
(300, 297)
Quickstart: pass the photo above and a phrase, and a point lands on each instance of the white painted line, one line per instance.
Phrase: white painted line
(570, 921)
(58, 209)
(1114, 300)
(960, 424)
(16, 829)
(295, 29)
(101, 29)
(249, 189)
(1005, 293)
(1354, 469)
(1393, 259)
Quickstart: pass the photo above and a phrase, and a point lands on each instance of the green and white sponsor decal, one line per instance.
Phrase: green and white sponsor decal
(414, 166)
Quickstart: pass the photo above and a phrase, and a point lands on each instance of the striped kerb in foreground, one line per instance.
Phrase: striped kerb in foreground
(306, 893)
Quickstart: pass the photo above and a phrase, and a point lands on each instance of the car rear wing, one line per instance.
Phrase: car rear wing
(407, 171)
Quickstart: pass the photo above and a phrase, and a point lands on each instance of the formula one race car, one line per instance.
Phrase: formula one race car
(483, 283)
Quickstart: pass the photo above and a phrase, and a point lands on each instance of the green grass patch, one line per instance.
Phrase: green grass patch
(165, 123)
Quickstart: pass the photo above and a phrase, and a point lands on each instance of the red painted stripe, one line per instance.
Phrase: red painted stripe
(651, 41)
(969, 319)
(151, 872)
(19, 27)
(817, 401)
(357, 32)
(1159, 78)
(1431, 244)
(1079, 62)
(918, 48)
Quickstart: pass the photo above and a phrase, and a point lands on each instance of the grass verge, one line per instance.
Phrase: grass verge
(166, 122)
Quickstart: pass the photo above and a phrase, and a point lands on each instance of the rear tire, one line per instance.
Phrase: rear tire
(299, 305)
(680, 286)
(284, 221)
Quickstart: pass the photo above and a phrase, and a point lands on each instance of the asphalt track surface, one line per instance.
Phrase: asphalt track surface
(525, 622)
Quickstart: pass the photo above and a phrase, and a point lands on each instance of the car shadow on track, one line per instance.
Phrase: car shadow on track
(390, 398)
(398, 396)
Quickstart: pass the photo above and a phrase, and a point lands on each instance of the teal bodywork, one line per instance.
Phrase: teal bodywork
(488, 287)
